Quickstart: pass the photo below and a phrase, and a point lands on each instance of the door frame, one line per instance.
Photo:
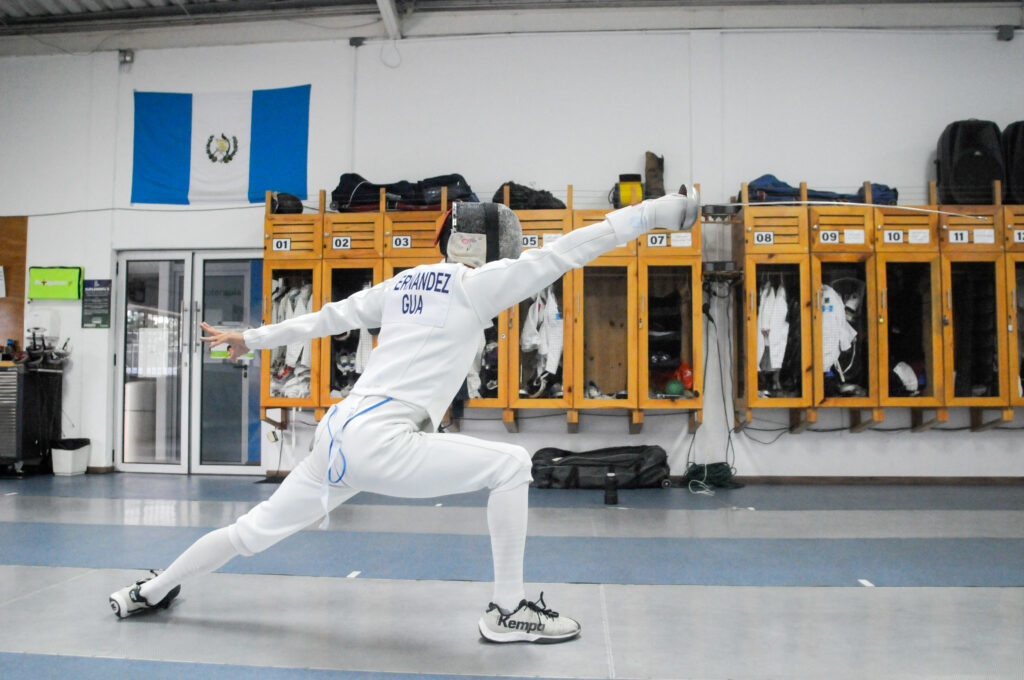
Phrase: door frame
(199, 257)
(191, 382)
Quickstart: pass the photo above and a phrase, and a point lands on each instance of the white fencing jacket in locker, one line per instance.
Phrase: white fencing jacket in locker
(431, 316)
(837, 335)
(773, 329)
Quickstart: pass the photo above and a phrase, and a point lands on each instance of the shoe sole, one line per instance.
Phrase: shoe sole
(500, 638)
(119, 608)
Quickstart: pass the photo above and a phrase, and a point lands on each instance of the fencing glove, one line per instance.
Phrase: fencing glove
(674, 211)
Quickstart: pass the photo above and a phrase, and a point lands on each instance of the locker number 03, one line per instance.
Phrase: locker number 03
(281, 244)
(401, 241)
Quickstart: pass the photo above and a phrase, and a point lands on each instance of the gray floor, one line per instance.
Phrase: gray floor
(760, 582)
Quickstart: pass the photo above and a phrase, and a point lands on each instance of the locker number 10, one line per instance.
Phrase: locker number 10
(892, 236)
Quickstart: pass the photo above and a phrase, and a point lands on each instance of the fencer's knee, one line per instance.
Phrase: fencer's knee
(517, 469)
(238, 543)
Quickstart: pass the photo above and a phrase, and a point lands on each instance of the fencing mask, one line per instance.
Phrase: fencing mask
(476, 233)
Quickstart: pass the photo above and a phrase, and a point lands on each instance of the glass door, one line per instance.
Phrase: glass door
(225, 428)
(154, 291)
(182, 406)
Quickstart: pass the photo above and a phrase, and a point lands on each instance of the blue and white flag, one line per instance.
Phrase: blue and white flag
(230, 146)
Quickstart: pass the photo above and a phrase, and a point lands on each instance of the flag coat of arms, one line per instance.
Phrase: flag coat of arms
(220, 147)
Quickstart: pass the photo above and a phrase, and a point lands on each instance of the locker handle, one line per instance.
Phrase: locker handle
(885, 297)
(751, 301)
(949, 299)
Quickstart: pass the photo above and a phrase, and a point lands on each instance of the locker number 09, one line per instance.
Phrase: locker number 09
(828, 236)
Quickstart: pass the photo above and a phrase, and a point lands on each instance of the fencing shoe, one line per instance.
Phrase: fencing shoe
(529, 622)
(129, 600)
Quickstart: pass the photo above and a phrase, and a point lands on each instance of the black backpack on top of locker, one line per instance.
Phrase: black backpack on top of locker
(968, 160)
(1013, 159)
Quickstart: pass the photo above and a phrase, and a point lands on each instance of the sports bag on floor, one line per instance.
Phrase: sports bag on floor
(634, 467)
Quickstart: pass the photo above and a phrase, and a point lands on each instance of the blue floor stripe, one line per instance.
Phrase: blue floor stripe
(762, 496)
(648, 561)
(91, 668)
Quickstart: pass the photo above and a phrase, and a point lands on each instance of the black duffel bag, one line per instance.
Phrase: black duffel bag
(354, 192)
(634, 467)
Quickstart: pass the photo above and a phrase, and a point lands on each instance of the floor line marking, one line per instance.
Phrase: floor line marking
(866, 583)
(607, 632)
(354, 574)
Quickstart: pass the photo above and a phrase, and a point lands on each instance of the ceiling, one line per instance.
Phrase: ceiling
(50, 26)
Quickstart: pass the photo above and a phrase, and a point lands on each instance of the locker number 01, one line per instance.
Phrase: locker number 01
(281, 244)
(764, 238)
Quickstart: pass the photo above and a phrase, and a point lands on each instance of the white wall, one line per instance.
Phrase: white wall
(833, 108)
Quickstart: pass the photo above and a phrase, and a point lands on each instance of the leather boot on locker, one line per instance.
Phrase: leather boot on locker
(654, 176)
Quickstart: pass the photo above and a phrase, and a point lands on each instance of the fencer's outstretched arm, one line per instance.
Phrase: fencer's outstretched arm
(499, 285)
(359, 310)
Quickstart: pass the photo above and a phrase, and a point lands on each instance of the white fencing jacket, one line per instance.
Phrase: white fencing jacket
(431, 316)
(773, 329)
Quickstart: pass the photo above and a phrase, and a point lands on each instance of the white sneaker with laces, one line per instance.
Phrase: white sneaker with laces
(129, 600)
(529, 622)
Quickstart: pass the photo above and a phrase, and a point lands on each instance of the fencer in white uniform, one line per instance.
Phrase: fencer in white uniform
(383, 438)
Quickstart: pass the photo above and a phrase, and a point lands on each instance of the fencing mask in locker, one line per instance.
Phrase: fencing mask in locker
(476, 233)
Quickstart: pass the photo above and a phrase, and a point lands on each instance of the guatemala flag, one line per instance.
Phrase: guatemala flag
(231, 146)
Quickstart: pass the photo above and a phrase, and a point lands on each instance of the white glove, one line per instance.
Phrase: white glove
(672, 211)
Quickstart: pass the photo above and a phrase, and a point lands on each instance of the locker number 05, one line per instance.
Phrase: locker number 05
(280, 244)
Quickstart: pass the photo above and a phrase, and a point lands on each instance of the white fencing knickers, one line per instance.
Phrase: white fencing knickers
(373, 444)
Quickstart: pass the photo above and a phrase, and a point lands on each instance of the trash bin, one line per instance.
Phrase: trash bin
(70, 456)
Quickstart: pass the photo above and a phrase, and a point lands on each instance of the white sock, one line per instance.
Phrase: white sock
(210, 552)
(506, 518)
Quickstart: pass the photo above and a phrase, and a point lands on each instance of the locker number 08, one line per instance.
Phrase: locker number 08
(764, 238)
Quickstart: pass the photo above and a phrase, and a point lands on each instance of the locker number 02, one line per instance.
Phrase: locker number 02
(401, 241)
(281, 244)
(341, 243)
(764, 238)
